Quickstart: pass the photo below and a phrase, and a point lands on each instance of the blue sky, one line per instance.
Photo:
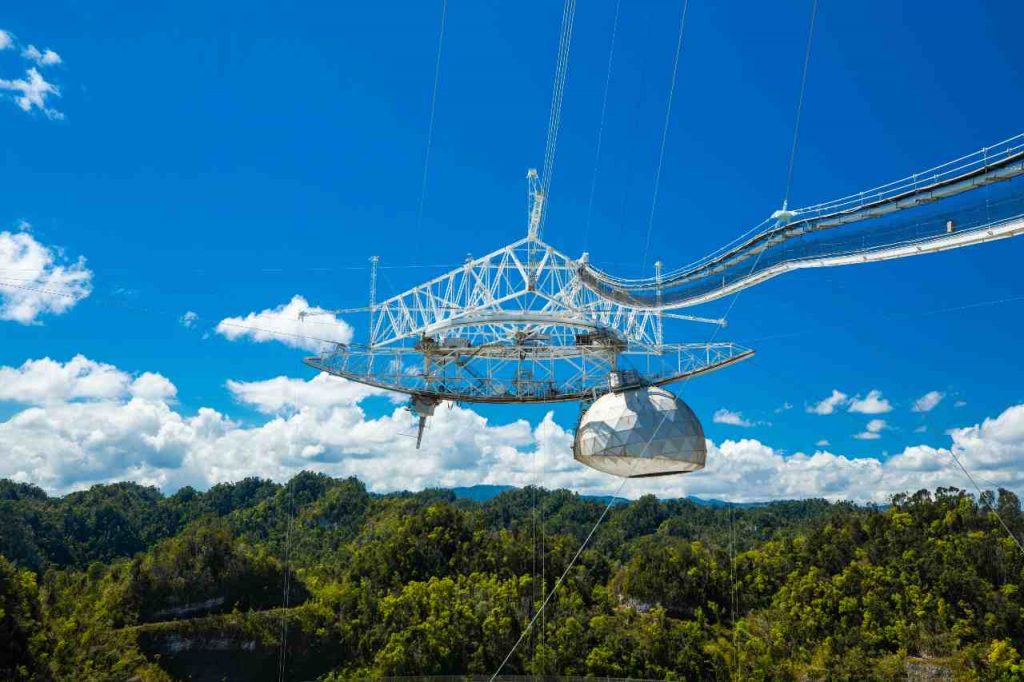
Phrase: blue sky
(223, 159)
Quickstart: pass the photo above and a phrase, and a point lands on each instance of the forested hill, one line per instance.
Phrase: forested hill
(121, 582)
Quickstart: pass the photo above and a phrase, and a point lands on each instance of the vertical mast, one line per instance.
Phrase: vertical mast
(535, 199)
(374, 261)
(659, 330)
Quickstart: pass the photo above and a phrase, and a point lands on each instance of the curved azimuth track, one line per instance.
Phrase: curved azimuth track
(971, 200)
(516, 326)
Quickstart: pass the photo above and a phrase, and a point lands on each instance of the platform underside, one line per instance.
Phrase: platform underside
(521, 374)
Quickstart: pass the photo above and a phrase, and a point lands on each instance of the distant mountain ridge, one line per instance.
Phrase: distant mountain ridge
(485, 491)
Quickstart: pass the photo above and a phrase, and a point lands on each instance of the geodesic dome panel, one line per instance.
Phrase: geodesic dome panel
(640, 432)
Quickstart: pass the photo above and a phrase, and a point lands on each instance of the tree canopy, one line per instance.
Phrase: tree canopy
(121, 581)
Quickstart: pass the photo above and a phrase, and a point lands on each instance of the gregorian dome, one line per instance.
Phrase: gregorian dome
(639, 432)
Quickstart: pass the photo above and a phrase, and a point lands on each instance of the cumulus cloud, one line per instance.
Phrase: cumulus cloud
(873, 403)
(315, 332)
(785, 407)
(873, 430)
(284, 395)
(36, 279)
(46, 381)
(6, 41)
(188, 320)
(829, 404)
(928, 401)
(119, 427)
(724, 416)
(154, 387)
(823, 443)
(45, 58)
(130, 430)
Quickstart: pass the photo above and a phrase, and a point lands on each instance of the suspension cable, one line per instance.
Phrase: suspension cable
(282, 654)
(600, 127)
(557, 93)
(732, 584)
(614, 496)
(433, 107)
(800, 104)
(982, 500)
(561, 578)
(664, 132)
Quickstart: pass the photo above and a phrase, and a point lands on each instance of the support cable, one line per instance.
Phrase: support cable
(800, 104)
(282, 654)
(557, 93)
(533, 573)
(600, 127)
(543, 562)
(664, 133)
(561, 578)
(604, 513)
(732, 584)
(982, 500)
(889, 316)
(433, 107)
(631, 158)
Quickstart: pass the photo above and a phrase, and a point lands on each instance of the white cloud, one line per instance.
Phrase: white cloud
(188, 320)
(129, 430)
(874, 403)
(823, 443)
(36, 279)
(34, 91)
(829, 404)
(46, 381)
(960, 403)
(928, 401)
(314, 333)
(785, 407)
(873, 430)
(724, 416)
(154, 387)
(45, 58)
(284, 395)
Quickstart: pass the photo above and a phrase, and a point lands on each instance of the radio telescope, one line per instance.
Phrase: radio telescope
(528, 324)
(517, 325)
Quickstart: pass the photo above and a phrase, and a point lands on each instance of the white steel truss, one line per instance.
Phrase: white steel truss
(525, 284)
(517, 325)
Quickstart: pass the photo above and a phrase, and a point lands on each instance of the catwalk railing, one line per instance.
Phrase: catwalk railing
(974, 199)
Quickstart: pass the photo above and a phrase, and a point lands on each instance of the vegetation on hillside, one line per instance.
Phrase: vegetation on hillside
(122, 582)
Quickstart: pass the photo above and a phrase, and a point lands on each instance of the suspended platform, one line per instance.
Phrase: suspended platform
(517, 326)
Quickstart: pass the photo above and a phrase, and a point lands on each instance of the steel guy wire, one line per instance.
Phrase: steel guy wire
(600, 127)
(433, 108)
(664, 133)
(800, 104)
